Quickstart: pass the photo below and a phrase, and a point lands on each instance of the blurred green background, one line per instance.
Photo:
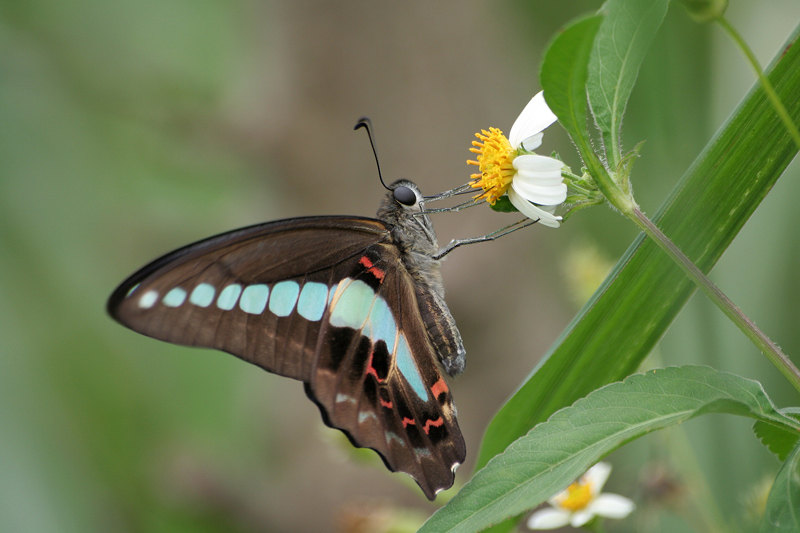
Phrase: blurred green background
(128, 129)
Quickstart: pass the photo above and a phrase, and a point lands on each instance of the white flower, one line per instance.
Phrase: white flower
(581, 502)
(533, 182)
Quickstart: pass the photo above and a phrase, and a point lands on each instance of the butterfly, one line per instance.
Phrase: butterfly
(353, 307)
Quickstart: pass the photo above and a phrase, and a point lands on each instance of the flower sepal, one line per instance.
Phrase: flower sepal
(705, 10)
(583, 192)
(503, 205)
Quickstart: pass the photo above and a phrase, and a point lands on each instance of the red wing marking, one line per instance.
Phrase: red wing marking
(385, 404)
(366, 262)
(438, 388)
(371, 369)
(407, 421)
(435, 423)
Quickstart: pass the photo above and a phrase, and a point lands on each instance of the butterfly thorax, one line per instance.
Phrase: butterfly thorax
(413, 234)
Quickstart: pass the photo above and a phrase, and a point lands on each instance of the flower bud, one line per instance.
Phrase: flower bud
(705, 10)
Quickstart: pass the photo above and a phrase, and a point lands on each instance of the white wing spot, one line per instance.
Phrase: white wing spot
(175, 297)
(148, 299)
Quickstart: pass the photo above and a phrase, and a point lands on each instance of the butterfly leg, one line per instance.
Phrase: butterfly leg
(462, 189)
(455, 243)
(454, 209)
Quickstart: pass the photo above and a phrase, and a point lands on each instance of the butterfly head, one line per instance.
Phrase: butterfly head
(402, 210)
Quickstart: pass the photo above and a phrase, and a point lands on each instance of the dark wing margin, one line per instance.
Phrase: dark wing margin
(301, 249)
(387, 393)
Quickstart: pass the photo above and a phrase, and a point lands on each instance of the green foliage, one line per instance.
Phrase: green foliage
(619, 49)
(778, 439)
(783, 505)
(619, 326)
(553, 454)
(705, 10)
(629, 313)
(563, 77)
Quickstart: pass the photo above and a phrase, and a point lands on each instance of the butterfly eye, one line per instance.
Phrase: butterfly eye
(405, 196)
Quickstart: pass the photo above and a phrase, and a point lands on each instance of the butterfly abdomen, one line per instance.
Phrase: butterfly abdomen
(413, 234)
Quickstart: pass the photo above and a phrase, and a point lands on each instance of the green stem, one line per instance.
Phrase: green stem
(577, 207)
(764, 343)
(765, 84)
(628, 207)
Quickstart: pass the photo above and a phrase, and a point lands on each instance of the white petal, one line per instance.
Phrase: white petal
(548, 518)
(531, 211)
(581, 517)
(527, 179)
(534, 119)
(543, 195)
(538, 179)
(612, 506)
(532, 143)
(539, 163)
(597, 476)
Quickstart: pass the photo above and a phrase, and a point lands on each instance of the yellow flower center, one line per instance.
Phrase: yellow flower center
(576, 497)
(495, 157)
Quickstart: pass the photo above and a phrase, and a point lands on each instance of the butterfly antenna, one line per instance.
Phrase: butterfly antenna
(365, 123)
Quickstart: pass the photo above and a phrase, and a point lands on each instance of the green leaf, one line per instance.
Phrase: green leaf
(630, 312)
(555, 453)
(563, 77)
(783, 504)
(619, 48)
(778, 439)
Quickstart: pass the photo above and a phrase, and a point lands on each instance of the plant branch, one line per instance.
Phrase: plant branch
(765, 84)
(747, 326)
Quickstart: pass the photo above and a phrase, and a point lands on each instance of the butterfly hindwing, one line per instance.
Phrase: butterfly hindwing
(375, 376)
(325, 300)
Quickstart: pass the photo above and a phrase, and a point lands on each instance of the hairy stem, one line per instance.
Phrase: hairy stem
(747, 326)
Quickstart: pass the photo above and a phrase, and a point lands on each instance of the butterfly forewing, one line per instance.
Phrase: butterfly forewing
(325, 300)
(216, 293)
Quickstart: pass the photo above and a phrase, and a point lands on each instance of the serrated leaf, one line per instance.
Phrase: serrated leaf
(619, 48)
(553, 454)
(778, 439)
(783, 505)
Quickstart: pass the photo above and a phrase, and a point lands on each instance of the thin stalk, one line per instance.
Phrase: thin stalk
(765, 84)
(747, 326)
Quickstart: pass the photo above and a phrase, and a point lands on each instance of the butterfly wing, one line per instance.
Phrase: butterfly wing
(375, 376)
(216, 292)
(288, 296)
